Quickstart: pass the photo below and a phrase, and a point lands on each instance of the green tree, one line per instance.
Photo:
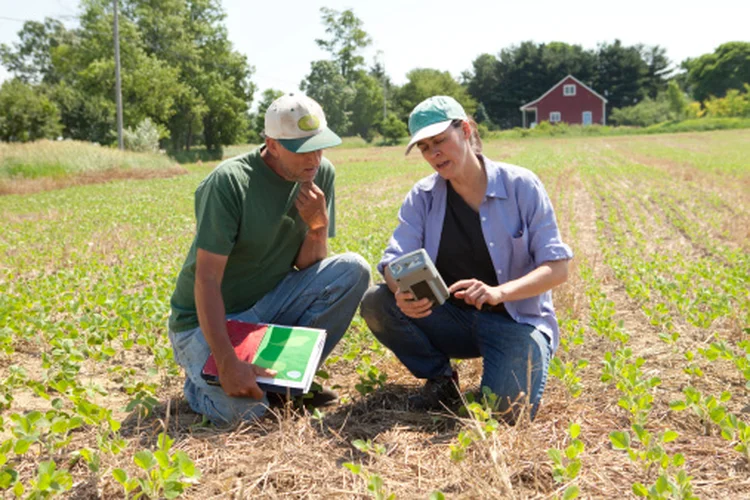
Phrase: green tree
(351, 98)
(483, 81)
(481, 116)
(346, 38)
(215, 90)
(658, 68)
(26, 114)
(178, 69)
(330, 89)
(621, 74)
(366, 107)
(426, 82)
(728, 67)
(31, 58)
(522, 73)
(677, 102)
(393, 128)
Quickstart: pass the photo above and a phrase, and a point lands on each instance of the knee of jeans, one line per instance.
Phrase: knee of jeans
(374, 307)
(357, 268)
(226, 412)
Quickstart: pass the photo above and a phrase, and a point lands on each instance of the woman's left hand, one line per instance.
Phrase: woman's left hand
(476, 293)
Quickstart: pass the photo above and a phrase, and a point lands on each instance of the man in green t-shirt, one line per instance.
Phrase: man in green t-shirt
(263, 221)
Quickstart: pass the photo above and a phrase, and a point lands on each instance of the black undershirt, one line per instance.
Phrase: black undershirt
(463, 252)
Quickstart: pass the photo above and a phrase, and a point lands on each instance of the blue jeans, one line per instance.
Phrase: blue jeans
(516, 356)
(324, 295)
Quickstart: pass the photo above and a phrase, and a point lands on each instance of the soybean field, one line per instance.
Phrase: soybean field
(648, 394)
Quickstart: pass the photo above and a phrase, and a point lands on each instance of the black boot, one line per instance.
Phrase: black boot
(437, 394)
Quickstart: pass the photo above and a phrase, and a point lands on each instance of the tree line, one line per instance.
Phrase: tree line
(181, 73)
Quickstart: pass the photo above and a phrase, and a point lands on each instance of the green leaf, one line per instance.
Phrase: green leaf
(571, 492)
(144, 459)
(670, 436)
(22, 446)
(575, 430)
(7, 478)
(573, 469)
(162, 459)
(173, 489)
(662, 484)
(120, 476)
(620, 440)
(437, 495)
(361, 445)
(677, 405)
(186, 465)
(639, 490)
(555, 455)
(355, 468)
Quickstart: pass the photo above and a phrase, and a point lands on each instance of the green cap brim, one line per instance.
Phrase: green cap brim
(322, 140)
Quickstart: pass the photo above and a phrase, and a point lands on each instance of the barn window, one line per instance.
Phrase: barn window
(569, 89)
(554, 116)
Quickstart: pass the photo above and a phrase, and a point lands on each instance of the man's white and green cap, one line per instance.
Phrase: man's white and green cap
(299, 124)
(432, 116)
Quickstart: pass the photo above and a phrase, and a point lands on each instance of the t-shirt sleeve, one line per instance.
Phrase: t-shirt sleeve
(217, 213)
(545, 243)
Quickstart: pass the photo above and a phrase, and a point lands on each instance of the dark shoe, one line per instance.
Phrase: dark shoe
(316, 398)
(437, 394)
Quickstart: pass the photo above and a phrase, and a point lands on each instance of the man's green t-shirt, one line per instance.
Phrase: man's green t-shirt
(246, 211)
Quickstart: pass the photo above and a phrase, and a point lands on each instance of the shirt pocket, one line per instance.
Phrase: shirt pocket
(520, 259)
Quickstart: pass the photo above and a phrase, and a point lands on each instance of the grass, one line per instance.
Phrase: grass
(564, 130)
(659, 228)
(46, 164)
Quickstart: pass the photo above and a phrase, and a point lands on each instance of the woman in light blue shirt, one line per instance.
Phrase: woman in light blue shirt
(490, 229)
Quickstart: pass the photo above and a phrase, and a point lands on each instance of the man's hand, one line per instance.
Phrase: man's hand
(477, 293)
(411, 307)
(237, 378)
(311, 205)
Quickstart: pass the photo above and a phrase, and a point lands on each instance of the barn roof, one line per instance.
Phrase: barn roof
(529, 105)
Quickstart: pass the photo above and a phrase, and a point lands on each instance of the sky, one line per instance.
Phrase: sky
(278, 37)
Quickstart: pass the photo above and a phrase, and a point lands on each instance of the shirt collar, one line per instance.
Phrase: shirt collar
(495, 184)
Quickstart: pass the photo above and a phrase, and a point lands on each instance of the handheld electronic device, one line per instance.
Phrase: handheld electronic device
(415, 273)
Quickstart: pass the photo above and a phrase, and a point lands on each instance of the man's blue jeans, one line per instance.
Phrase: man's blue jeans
(516, 356)
(324, 295)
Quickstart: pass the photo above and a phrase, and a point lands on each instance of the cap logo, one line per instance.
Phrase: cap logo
(308, 123)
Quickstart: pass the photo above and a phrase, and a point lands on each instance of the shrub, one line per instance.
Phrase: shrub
(144, 139)
(647, 112)
(734, 104)
(392, 129)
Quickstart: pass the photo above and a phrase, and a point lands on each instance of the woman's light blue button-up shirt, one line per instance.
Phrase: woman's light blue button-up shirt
(519, 227)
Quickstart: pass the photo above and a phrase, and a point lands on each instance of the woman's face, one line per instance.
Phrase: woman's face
(446, 152)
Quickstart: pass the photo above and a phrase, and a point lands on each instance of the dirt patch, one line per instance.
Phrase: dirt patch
(28, 186)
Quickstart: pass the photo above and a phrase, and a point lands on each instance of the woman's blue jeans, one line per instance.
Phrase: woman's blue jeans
(324, 295)
(516, 356)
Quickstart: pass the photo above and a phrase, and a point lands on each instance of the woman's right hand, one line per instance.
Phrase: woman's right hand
(413, 308)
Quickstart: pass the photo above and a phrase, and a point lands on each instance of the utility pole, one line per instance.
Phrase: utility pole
(118, 84)
(380, 55)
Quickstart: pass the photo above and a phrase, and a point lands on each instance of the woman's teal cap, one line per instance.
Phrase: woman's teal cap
(432, 116)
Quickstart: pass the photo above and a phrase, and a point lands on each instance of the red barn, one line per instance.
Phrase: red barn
(568, 101)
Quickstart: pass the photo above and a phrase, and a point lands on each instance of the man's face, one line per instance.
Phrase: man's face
(295, 167)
